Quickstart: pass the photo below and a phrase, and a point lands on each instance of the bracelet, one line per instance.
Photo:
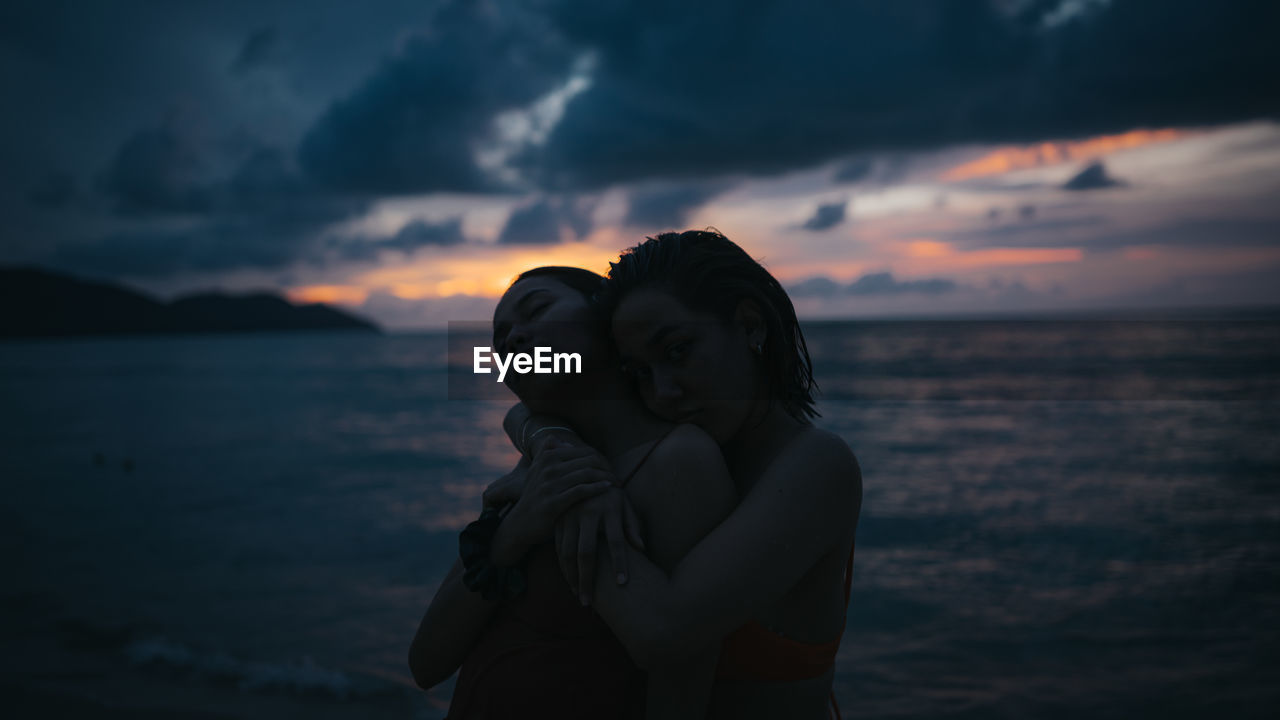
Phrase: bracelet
(524, 441)
(544, 429)
(479, 573)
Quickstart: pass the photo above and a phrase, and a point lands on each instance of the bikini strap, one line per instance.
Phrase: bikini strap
(645, 458)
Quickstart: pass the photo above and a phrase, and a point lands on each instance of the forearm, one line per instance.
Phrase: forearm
(642, 616)
(451, 626)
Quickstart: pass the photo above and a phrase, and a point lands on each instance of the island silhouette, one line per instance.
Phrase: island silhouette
(35, 302)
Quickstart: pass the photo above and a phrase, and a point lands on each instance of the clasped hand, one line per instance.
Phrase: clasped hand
(568, 490)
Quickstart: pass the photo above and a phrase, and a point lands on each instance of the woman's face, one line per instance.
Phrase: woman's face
(688, 366)
(541, 311)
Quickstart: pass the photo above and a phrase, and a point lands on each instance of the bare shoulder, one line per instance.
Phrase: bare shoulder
(822, 457)
(686, 461)
(685, 445)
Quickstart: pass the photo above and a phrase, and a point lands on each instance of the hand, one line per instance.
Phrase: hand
(577, 534)
(508, 488)
(560, 478)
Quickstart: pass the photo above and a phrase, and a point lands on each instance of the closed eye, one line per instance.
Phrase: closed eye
(635, 372)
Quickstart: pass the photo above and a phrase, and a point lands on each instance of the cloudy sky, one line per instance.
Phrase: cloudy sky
(406, 159)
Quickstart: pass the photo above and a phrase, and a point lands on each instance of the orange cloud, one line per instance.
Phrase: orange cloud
(1011, 158)
(486, 273)
(1018, 256)
(331, 294)
(929, 255)
(929, 249)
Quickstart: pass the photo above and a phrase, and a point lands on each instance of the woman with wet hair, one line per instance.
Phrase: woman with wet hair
(523, 643)
(707, 336)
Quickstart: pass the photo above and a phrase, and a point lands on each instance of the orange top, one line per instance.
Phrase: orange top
(754, 652)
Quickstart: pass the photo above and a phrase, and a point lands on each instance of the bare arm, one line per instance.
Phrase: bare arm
(457, 617)
(803, 507)
(451, 626)
(681, 493)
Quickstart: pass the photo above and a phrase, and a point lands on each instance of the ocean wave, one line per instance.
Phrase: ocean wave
(303, 676)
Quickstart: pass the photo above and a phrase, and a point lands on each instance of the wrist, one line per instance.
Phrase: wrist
(480, 573)
(509, 544)
(540, 436)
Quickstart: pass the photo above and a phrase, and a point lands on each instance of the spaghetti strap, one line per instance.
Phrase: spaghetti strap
(645, 458)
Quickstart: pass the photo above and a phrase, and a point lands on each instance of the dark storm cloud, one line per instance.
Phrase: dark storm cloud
(413, 236)
(415, 125)
(826, 217)
(262, 215)
(545, 220)
(762, 87)
(1093, 177)
(880, 170)
(56, 191)
(91, 176)
(157, 170)
(397, 97)
(420, 233)
(668, 206)
(881, 283)
(261, 48)
(855, 170)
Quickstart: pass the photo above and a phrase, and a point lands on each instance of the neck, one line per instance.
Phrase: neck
(753, 449)
(607, 415)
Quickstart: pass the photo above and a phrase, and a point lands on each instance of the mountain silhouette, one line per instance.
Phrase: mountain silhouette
(41, 303)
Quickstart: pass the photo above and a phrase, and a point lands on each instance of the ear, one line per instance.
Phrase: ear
(749, 318)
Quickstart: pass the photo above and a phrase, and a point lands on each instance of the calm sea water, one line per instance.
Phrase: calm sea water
(1060, 517)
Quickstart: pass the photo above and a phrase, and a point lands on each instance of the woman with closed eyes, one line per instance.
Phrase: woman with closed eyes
(523, 643)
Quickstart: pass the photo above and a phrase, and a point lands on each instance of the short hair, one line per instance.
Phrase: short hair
(709, 273)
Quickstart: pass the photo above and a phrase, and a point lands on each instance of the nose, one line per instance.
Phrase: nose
(667, 391)
(517, 340)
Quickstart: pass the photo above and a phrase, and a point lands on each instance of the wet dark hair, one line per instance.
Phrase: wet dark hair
(584, 281)
(709, 273)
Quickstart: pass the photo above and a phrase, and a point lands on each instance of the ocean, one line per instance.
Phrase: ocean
(1062, 518)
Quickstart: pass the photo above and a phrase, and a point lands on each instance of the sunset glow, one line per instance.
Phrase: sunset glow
(331, 294)
(1011, 158)
(485, 273)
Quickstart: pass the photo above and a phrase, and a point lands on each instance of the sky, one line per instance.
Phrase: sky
(405, 160)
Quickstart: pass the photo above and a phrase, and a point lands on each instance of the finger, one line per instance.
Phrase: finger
(581, 476)
(631, 521)
(567, 553)
(613, 534)
(578, 463)
(565, 452)
(587, 537)
(576, 494)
